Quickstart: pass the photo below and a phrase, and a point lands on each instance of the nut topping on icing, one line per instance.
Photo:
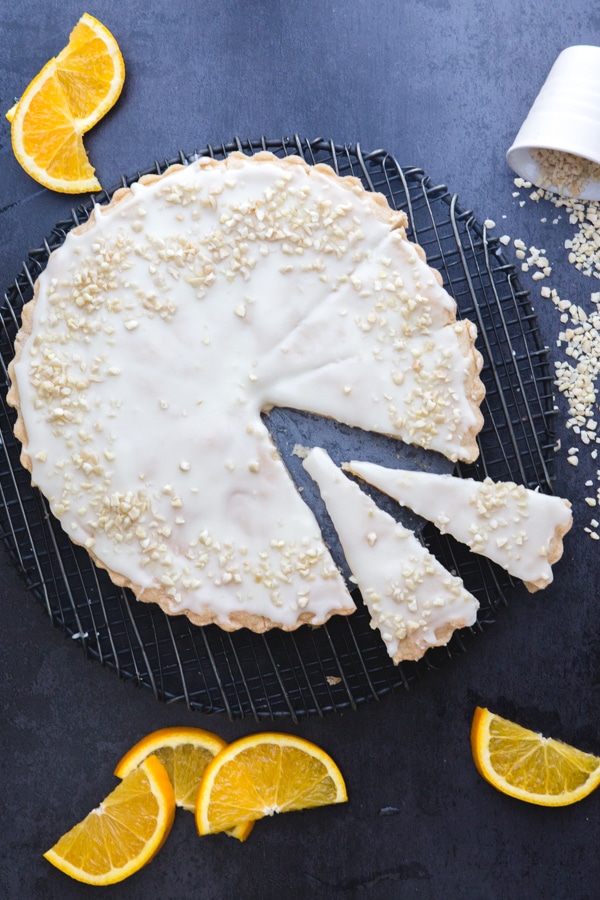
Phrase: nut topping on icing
(161, 330)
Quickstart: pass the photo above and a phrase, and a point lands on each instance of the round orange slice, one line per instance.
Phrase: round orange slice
(185, 753)
(67, 98)
(122, 834)
(263, 774)
(526, 765)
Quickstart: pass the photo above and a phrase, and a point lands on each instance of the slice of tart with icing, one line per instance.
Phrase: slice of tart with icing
(413, 601)
(383, 352)
(519, 529)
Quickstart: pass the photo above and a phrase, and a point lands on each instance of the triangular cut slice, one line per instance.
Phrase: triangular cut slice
(520, 529)
(413, 601)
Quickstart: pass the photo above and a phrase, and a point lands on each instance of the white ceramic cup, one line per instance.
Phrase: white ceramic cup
(565, 116)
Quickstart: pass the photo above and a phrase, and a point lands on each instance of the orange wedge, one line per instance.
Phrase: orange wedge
(263, 774)
(122, 834)
(67, 98)
(185, 753)
(523, 764)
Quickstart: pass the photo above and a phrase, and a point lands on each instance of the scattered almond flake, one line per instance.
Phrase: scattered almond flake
(565, 172)
(300, 451)
(489, 223)
(505, 240)
(577, 374)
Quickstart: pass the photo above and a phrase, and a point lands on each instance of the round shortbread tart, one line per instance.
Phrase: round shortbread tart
(165, 325)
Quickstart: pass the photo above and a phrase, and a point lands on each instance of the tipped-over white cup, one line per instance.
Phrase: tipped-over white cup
(565, 116)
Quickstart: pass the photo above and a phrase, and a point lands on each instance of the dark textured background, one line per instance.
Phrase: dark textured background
(440, 85)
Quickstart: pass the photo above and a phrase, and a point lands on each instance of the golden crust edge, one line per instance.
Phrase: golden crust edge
(233, 622)
(555, 551)
(409, 650)
(474, 387)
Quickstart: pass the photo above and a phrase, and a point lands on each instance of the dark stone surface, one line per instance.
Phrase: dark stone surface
(444, 86)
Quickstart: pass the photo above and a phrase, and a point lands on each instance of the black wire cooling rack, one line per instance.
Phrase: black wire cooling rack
(344, 663)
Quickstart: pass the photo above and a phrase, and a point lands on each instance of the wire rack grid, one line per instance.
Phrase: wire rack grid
(343, 663)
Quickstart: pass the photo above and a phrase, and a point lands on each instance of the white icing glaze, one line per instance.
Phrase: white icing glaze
(508, 523)
(162, 331)
(413, 601)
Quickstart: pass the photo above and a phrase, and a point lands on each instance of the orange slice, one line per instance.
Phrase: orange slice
(185, 753)
(70, 95)
(122, 834)
(263, 774)
(526, 765)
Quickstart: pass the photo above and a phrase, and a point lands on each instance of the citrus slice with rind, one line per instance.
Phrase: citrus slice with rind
(90, 71)
(67, 98)
(185, 753)
(263, 774)
(528, 766)
(123, 833)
